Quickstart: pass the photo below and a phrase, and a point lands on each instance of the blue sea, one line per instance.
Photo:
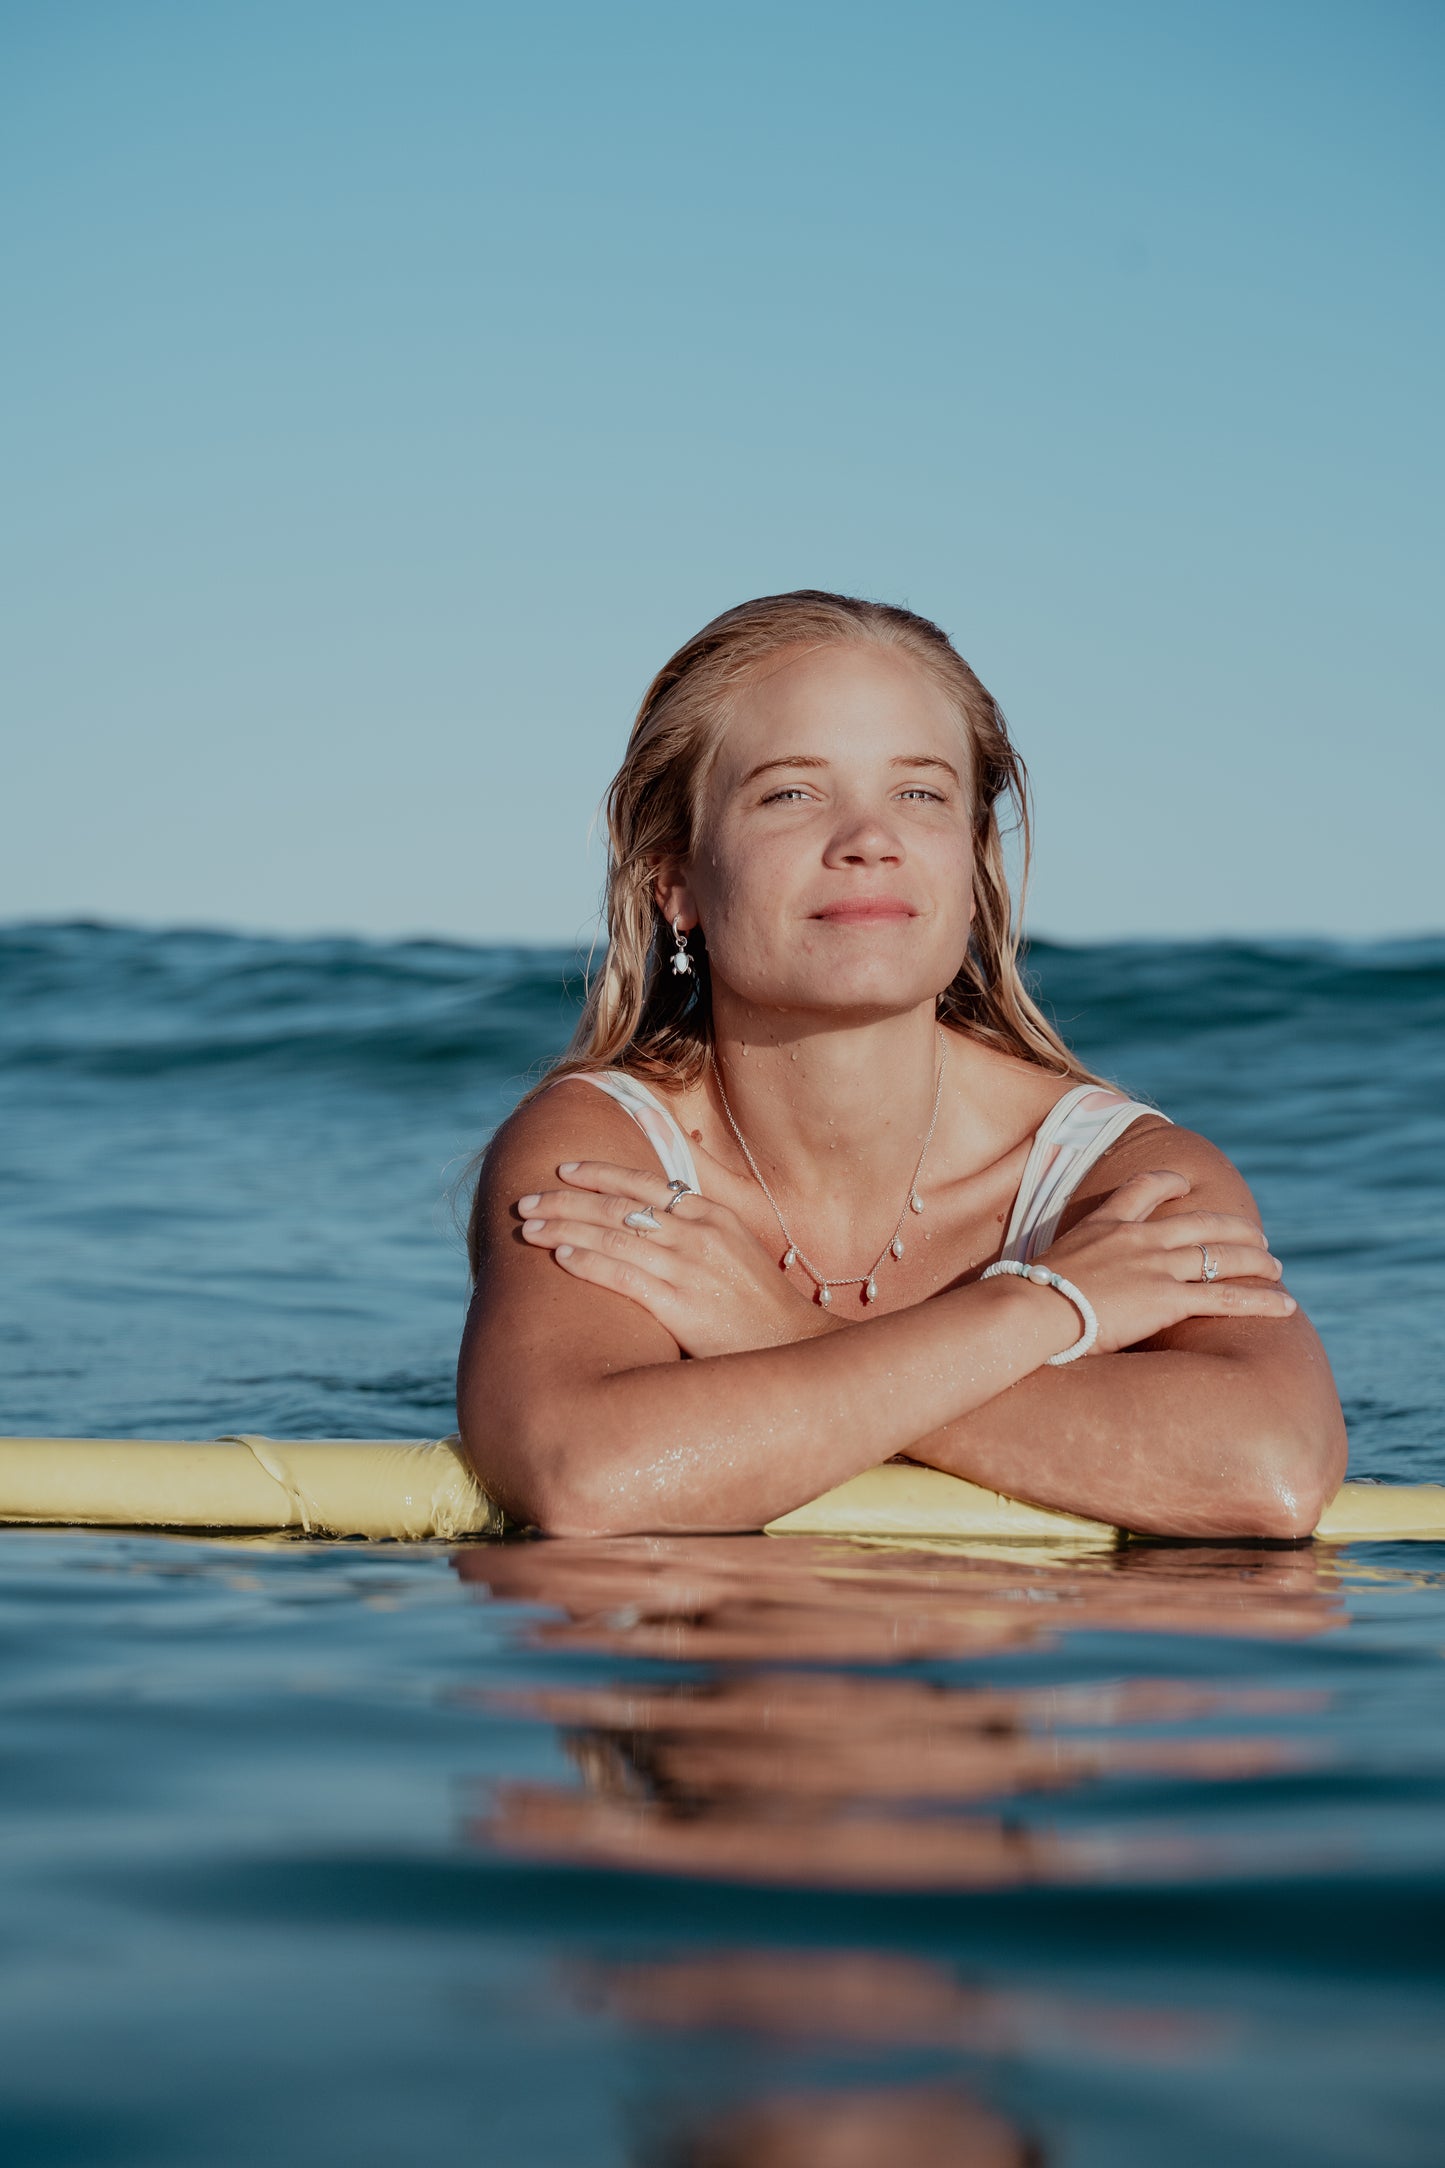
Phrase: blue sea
(726, 1853)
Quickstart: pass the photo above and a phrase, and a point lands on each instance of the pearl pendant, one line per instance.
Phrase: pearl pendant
(915, 1202)
(790, 1257)
(870, 1292)
(825, 1295)
(896, 1245)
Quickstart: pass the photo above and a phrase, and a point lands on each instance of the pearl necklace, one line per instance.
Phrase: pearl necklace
(893, 1247)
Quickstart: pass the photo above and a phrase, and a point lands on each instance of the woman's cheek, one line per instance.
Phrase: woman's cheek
(749, 956)
(741, 904)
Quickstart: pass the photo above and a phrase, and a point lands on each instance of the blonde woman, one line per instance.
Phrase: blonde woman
(817, 1184)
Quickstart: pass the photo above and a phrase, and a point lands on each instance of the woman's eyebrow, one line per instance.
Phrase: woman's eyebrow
(785, 760)
(927, 760)
(812, 760)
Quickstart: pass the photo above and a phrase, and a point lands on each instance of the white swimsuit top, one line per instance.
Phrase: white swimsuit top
(1077, 1130)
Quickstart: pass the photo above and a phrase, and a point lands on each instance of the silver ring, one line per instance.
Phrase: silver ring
(642, 1222)
(679, 1191)
(1210, 1269)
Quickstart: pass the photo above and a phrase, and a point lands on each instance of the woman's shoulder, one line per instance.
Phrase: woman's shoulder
(1153, 1142)
(1027, 1096)
(565, 1121)
(568, 1118)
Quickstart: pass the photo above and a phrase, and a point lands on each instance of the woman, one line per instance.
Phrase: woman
(827, 1107)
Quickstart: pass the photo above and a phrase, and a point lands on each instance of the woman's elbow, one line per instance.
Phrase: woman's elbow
(541, 1486)
(575, 1504)
(1279, 1513)
(1298, 1474)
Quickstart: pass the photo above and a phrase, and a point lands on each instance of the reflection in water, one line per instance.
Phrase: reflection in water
(925, 2126)
(699, 1599)
(797, 1757)
(861, 2001)
(866, 1999)
(865, 2002)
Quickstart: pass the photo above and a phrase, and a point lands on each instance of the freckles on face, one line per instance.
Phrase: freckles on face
(834, 856)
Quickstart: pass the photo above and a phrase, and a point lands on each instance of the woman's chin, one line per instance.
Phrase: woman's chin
(857, 995)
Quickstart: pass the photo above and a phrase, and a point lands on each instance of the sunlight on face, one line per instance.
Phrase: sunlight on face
(834, 862)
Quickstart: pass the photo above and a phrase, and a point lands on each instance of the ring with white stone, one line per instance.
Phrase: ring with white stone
(1210, 1267)
(642, 1222)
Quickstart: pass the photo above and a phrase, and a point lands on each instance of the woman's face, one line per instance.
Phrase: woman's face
(833, 868)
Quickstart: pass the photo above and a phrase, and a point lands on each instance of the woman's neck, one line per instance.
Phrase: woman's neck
(821, 1107)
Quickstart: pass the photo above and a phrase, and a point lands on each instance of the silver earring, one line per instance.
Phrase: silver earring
(681, 961)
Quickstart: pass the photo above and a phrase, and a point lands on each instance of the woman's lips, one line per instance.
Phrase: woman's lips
(865, 911)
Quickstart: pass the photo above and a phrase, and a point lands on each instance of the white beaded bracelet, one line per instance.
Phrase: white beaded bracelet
(1015, 1268)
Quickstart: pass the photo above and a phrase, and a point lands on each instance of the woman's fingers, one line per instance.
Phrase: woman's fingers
(635, 1182)
(1181, 1228)
(639, 1251)
(644, 1184)
(1144, 1193)
(591, 1207)
(1239, 1298)
(1231, 1261)
(623, 1277)
(609, 1193)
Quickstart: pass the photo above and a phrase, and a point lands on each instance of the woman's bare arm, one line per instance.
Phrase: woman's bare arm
(1170, 1437)
(580, 1418)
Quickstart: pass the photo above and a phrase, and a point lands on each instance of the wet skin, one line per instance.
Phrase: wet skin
(832, 874)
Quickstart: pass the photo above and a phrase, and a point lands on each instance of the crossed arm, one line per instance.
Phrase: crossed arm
(580, 1416)
(1216, 1426)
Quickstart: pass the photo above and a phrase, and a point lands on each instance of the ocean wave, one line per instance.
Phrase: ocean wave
(127, 1002)
(121, 1002)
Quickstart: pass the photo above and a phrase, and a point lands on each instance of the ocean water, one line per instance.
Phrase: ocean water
(727, 1853)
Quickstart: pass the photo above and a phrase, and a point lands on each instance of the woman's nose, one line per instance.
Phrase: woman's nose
(864, 838)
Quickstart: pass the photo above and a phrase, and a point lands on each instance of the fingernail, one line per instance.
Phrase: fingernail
(533, 1226)
(529, 1204)
(1290, 1303)
(569, 1166)
(563, 1249)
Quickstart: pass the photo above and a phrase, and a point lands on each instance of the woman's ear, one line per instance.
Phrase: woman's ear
(673, 896)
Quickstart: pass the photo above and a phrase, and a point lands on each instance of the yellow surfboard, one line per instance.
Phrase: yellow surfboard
(413, 1493)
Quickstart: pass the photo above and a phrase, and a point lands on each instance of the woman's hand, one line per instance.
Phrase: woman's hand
(1142, 1275)
(712, 1285)
(699, 1271)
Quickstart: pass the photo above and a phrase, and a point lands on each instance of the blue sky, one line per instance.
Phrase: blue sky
(388, 389)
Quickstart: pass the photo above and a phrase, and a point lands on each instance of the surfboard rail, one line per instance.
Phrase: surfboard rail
(425, 1490)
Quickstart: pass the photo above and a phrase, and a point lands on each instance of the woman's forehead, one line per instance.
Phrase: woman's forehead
(846, 702)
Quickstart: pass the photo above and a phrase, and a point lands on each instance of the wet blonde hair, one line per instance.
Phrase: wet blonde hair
(640, 1014)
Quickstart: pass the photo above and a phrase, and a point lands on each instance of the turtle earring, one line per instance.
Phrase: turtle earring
(681, 960)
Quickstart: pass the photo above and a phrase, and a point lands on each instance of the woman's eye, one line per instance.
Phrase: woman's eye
(793, 793)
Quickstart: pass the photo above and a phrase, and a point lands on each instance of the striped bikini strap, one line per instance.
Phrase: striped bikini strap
(651, 1116)
(1073, 1136)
